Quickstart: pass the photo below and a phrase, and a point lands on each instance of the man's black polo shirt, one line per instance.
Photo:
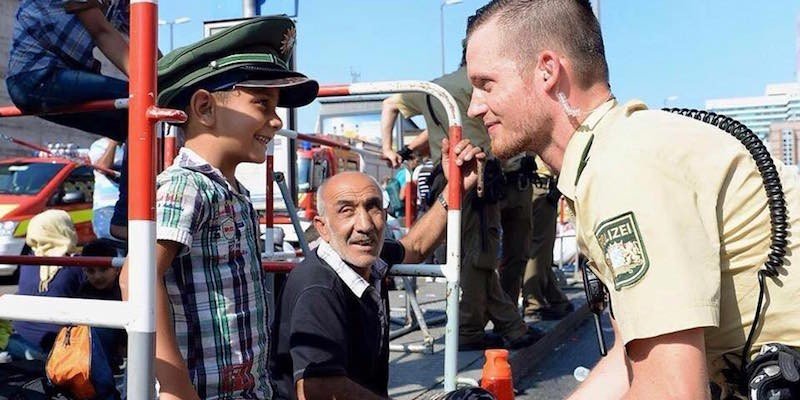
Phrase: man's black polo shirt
(323, 329)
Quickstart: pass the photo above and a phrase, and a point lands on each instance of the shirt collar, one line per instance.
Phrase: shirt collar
(577, 152)
(357, 284)
(188, 159)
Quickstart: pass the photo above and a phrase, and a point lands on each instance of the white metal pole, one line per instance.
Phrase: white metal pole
(249, 8)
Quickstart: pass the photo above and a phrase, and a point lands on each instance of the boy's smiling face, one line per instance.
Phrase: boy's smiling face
(247, 121)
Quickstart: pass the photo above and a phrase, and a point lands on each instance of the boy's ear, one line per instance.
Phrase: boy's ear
(202, 106)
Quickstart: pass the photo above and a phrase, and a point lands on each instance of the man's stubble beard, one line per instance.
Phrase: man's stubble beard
(532, 135)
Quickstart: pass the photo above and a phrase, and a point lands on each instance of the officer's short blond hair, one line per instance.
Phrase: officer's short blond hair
(531, 26)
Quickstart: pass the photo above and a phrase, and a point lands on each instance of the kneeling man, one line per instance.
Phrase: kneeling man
(332, 325)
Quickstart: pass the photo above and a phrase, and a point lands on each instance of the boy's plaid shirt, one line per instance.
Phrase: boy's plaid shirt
(216, 287)
(47, 36)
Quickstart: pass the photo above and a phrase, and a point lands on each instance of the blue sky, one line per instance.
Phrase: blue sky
(692, 49)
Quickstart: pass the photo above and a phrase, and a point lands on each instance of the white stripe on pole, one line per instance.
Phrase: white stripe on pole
(142, 275)
(62, 311)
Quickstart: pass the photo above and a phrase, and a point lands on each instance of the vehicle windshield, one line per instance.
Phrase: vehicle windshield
(304, 174)
(26, 178)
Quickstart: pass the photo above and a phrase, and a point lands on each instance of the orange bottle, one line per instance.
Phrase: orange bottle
(496, 376)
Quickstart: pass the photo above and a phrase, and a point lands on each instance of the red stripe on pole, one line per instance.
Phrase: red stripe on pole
(411, 203)
(333, 90)
(141, 136)
(454, 196)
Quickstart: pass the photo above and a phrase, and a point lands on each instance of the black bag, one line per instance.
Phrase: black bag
(26, 380)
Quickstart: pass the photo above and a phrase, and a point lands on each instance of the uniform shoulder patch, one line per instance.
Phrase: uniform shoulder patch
(623, 248)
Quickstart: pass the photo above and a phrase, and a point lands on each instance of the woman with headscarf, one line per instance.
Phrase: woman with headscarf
(52, 234)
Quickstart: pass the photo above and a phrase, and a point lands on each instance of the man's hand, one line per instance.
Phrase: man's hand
(468, 157)
(393, 158)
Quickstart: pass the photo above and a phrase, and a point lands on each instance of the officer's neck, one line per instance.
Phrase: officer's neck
(567, 117)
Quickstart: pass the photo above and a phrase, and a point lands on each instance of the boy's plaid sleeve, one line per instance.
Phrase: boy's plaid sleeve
(179, 209)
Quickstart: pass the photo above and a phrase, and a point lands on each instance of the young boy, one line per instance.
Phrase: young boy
(211, 301)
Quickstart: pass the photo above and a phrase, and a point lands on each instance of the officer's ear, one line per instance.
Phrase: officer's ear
(548, 70)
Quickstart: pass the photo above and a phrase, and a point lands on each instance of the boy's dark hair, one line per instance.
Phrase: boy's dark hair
(531, 26)
(99, 248)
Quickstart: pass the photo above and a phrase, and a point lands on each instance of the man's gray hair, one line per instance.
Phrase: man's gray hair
(321, 201)
(530, 26)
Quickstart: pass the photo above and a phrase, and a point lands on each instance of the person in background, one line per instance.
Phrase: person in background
(483, 298)
(102, 283)
(51, 234)
(108, 154)
(541, 296)
(51, 64)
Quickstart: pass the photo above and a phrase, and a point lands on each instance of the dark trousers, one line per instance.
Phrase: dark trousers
(45, 89)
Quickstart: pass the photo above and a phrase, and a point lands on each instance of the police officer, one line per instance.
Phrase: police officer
(542, 298)
(483, 298)
(671, 211)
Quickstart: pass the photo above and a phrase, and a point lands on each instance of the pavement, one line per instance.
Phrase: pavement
(545, 365)
(417, 375)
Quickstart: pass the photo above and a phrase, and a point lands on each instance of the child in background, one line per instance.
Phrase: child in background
(102, 283)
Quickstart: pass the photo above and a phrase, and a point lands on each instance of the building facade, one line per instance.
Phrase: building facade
(780, 103)
(783, 141)
(31, 129)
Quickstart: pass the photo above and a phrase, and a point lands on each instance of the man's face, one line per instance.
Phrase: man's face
(247, 120)
(101, 278)
(354, 219)
(503, 97)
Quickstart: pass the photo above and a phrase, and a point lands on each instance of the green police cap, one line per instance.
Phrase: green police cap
(254, 53)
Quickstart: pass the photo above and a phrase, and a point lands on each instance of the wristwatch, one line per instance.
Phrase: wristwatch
(442, 200)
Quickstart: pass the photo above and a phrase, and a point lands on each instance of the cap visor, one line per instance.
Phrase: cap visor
(295, 91)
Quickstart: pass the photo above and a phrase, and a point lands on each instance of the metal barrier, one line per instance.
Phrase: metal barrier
(137, 314)
(450, 270)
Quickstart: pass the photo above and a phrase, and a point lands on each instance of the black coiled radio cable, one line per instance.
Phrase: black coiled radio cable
(775, 201)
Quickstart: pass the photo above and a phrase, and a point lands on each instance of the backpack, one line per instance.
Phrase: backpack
(78, 365)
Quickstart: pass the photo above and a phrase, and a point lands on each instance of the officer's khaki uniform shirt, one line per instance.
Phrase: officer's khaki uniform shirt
(458, 85)
(673, 215)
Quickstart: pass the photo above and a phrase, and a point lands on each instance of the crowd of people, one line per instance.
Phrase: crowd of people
(678, 243)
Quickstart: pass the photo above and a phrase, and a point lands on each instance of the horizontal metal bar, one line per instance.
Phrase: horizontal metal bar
(98, 105)
(77, 261)
(62, 310)
(412, 348)
(434, 270)
(325, 141)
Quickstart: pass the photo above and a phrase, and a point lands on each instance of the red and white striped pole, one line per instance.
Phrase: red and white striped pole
(141, 202)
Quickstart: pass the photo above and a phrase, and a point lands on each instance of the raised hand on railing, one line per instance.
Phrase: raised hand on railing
(468, 157)
(394, 159)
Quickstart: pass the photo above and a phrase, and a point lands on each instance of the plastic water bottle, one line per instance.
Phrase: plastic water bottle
(580, 373)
